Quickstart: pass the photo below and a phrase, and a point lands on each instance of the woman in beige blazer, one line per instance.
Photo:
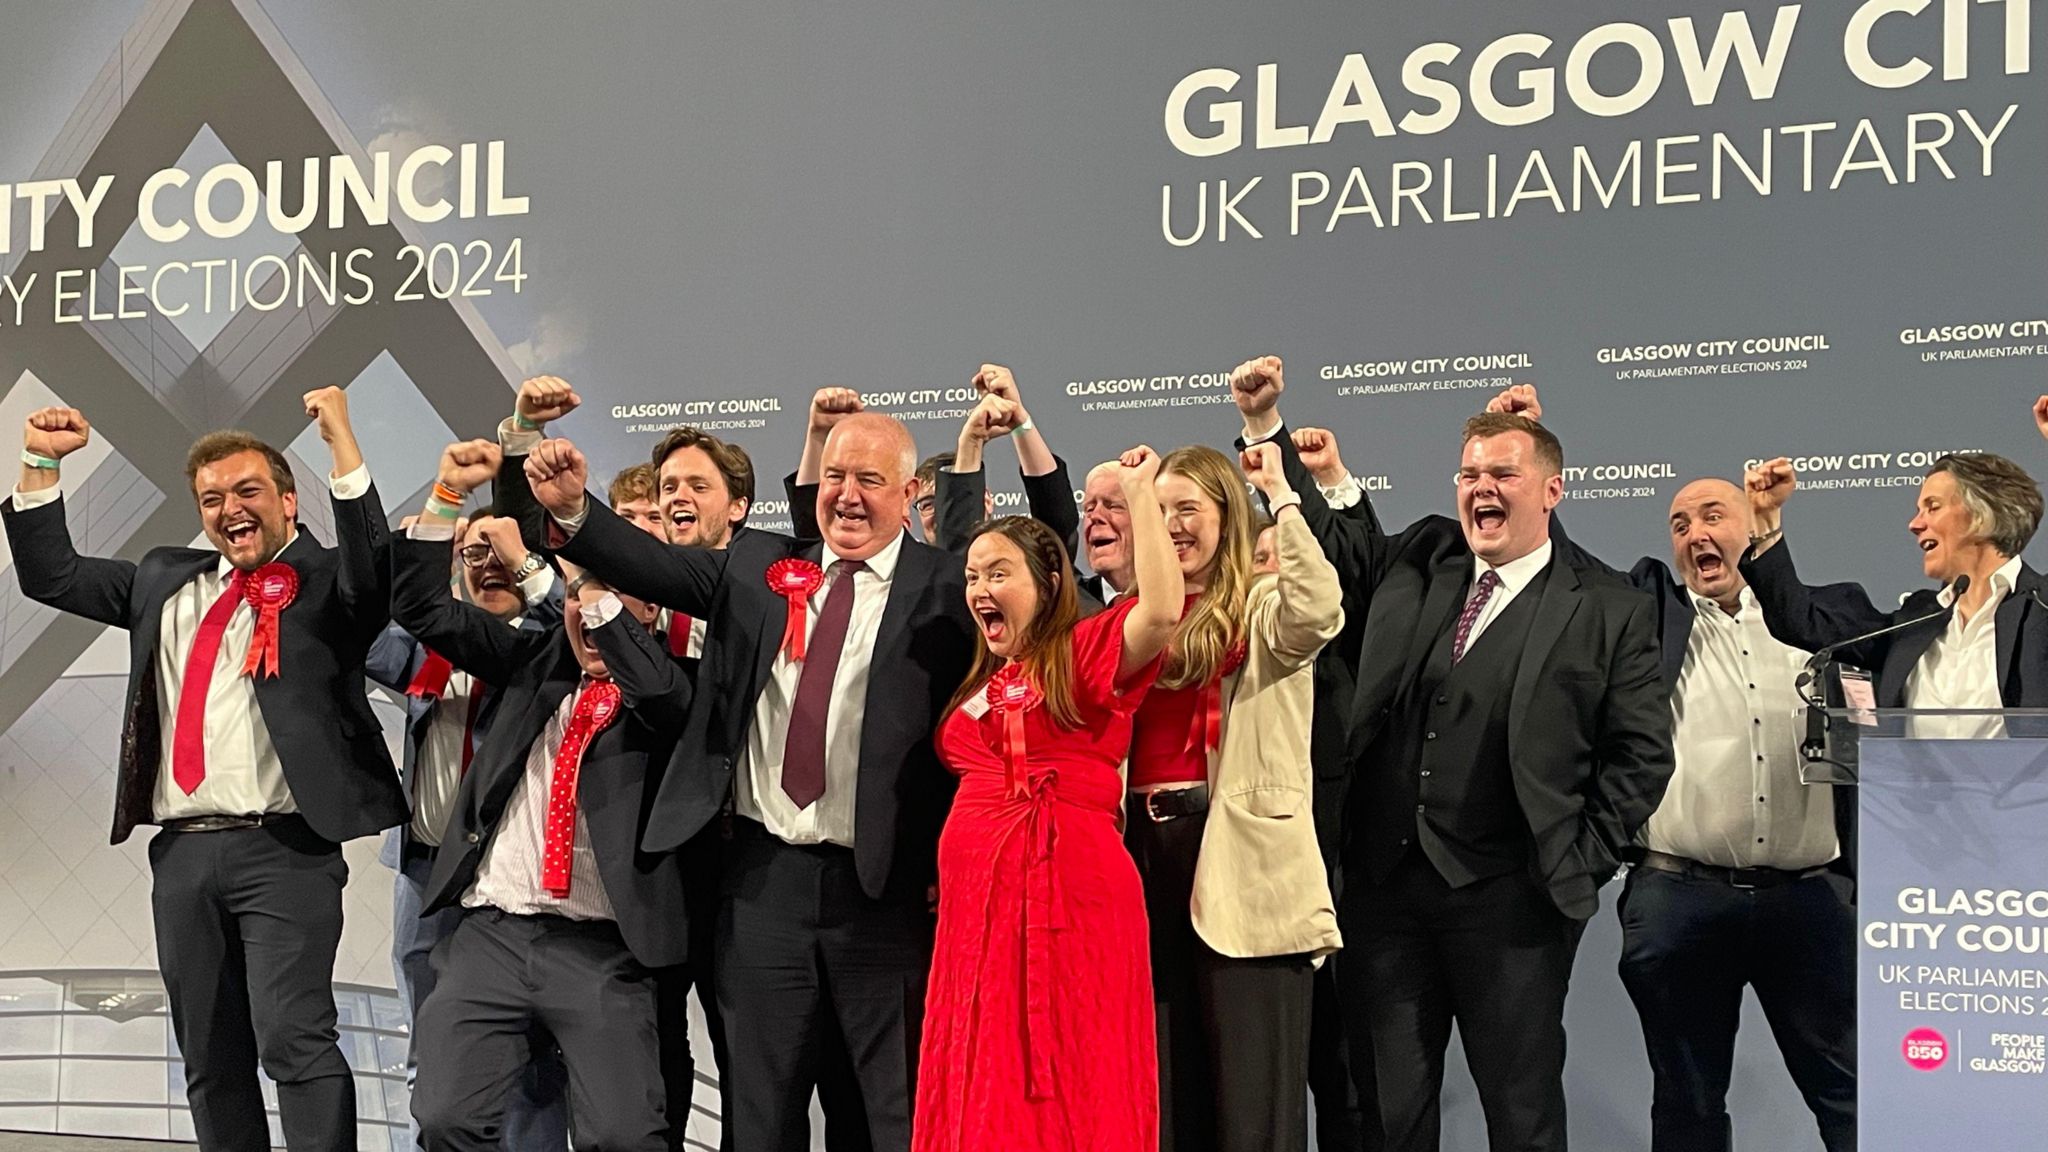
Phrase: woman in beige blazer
(1219, 819)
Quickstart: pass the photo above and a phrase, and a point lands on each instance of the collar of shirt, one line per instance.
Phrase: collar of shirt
(2003, 581)
(1515, 574)
(882, 564)
(1711, 609)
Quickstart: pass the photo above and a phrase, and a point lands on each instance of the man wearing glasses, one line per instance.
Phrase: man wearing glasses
(446, 715)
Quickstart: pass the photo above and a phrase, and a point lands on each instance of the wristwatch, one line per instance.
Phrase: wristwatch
(532, 566)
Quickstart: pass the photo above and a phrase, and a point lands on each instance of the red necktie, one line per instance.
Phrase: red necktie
(596, 706)
(679, 626)
(431, 681)
(1481, 592)
(188, 740)
(803, 749)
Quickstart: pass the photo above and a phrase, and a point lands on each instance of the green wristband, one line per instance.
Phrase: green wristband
(35, 460)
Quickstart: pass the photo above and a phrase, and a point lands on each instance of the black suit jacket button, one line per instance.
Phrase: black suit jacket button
(472, 837)
(1443, 699)
(1431, 736)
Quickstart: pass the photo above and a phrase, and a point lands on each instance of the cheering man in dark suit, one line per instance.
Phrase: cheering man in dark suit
(1511, 735)
(249, 740)
(824, 674)
(564, 917)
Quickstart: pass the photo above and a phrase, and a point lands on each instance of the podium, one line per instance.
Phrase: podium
(1952, 949)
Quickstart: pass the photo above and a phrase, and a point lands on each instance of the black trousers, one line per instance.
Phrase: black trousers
(1346, 1119)
(497, 976)
(1233, 1033)
(1690, 944)
(1496, 958)
(672, 989)
(247, 921)
(806, 963)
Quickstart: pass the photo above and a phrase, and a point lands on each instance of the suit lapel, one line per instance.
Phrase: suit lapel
(2012, 613)
(1448, 582)
(768, 630)
(1679, 616)
(1561, 599)
(521, 727)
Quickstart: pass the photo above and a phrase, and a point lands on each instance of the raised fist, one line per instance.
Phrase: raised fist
(546, 398)
(56, 432)
(502, 534)
(2041, 415)
(1138, 467)
(1261, 464)
(1770, 484)
(1517, 400)
(993, 417)
(468, 465)
(1256, 385)
(996, 380)
(329, 406)
(1318, 450)
(559, 475)
(831, 405)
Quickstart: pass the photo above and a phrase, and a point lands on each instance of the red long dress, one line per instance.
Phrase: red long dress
(1038, 1021)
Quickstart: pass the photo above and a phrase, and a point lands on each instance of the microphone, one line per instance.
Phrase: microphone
(1814, 747)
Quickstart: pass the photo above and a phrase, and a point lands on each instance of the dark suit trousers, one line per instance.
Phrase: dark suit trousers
(497, 977)
(1689, 944)
(1233, 1034)
(803, 952)
(672, 985)
(1346, 1120)
(247, 921)
(1496, 957)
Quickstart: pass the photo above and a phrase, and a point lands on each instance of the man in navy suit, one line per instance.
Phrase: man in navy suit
(826, 669)
(447, 714)
(248, 739)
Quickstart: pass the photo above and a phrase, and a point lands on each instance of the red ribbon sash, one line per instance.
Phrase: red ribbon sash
(1205, 735)
(269, 590)
(431, 681)
(1010, 695)
(794, 579)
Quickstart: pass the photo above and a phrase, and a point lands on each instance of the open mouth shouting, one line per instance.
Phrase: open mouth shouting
(1709, 563)
(995, 627)
(240, 531)
(494, 579)
(1489, 516)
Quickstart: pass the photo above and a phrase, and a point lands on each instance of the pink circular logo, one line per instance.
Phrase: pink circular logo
(1925, 1049)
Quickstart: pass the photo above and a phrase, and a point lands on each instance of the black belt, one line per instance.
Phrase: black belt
(1163, 804)
(1733, 877)
(225, 823)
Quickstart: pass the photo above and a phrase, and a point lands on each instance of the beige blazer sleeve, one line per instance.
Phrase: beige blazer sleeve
(1260, 886)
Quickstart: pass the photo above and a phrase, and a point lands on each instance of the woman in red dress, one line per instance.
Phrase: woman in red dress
(1038, 1029)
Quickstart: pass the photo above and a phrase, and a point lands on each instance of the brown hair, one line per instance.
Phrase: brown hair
(1047, 642)
(731, 460)
(2003, 501)
(928, 472)
(634, 483)
(1549, 452)
(1214, 623)
(215, 447)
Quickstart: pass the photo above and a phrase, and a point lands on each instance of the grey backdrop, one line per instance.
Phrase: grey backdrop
(745, 202)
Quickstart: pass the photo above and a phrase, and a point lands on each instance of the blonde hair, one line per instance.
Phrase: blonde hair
(1214, 623)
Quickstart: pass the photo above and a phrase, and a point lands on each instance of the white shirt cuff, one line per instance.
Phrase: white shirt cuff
(23, 501)
(1251, 438)
(1343, 494)
(570, 525)
(603, 612)
(431, 528)
(535, 588)
(350, 485)
(517, 441)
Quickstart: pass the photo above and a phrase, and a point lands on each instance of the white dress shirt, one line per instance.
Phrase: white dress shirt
(1960, 669)
(508, 876)
(1735, 799)
(243, 774)
(1339, 496)
(1514, 576)
(757, 782)
(437, 770)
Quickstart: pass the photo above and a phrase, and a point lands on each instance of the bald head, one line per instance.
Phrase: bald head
(1709, 532)
(869, 473)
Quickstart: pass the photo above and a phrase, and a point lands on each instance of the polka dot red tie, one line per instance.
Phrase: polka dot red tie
(597, 705)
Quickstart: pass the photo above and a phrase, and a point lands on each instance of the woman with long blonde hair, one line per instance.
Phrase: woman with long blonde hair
(1038, 1024)
(1218, 817)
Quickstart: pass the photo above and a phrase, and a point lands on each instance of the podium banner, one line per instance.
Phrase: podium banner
(1953, 949)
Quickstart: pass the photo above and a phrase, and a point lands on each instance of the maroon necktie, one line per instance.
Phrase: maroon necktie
(679, 625)
(803, 750)
(188, 737)
(1481, 593)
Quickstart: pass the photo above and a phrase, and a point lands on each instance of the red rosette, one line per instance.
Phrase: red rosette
(1010, 695)
(794, 579)
(269, 590)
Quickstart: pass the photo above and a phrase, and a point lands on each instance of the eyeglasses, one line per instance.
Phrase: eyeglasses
(475, 555)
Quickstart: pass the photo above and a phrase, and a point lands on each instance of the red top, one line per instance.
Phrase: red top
(1176, 728)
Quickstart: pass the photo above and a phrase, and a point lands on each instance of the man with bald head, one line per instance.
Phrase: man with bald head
(1744, 875)
(827, 665)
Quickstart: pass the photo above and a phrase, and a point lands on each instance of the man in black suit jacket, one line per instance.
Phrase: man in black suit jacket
(838, 793)
(257, 758)
(565, 918)
(1511, 736)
